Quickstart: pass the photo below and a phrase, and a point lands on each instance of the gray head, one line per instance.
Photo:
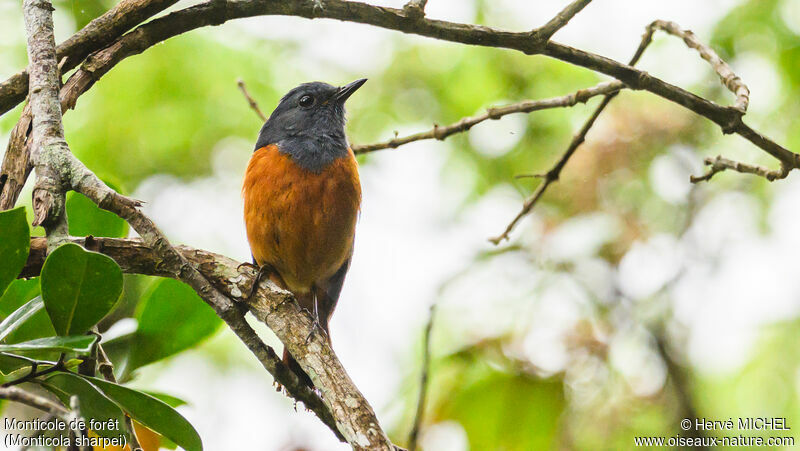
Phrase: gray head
(308, 124)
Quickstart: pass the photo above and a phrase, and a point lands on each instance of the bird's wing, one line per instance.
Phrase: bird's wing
(329, 290)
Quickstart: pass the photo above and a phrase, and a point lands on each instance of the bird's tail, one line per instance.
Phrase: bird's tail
(295, 367)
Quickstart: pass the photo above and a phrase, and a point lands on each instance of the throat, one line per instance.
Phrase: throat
(314, 153)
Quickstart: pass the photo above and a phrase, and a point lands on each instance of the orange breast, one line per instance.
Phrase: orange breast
(300, 222)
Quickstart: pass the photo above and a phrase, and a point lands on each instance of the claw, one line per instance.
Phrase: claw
(316, 325)
(262, 271)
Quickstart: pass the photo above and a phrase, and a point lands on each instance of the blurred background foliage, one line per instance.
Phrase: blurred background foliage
(608, 306)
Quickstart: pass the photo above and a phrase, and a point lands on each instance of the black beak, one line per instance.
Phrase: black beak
(348, 90)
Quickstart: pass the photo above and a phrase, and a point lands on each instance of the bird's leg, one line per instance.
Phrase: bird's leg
(317, 325)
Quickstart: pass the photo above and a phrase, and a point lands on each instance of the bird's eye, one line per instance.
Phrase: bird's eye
(306, 101)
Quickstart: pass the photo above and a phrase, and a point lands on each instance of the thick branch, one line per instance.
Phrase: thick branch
(53, 158)
(352, 415)
(47, 134)
(216, 12)
(219, 11)
(95, 35)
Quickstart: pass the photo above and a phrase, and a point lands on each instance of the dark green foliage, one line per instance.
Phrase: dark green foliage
(153, 413)
(79, 288)
(14, 245)
(172, 318)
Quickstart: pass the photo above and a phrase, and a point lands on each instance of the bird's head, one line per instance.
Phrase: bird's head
(308, 123)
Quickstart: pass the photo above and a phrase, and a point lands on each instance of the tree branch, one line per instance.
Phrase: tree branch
(219, 11)
(253, 104)
(47, 134)
(107, 370)
(353, 416)
(423, 381)
(95, 35)
(560, 20)
(554, 173)
(38, 402)
(729, 79)
(527, 106)
(721, 163)
(415, 8)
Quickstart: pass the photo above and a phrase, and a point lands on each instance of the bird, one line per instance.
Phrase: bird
(302, 199)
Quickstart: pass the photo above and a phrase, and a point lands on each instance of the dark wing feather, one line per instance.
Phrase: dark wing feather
(328, 292)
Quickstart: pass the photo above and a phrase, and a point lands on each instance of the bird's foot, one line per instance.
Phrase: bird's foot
(262, 271)
(247, 265)
(316, 326)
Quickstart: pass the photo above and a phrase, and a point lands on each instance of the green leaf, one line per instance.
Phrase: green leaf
(15, 242)
(172, 401)
(93, 404)
(13, 321)
(80, 344)
(38, 325)
(159, 335)
(79, 288)
(86, 218)
(152, 413)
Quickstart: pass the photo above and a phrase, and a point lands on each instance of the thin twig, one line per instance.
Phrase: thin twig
(554, 173)
(35, 401)
(729, 79)
(442, 132)
(560, 20)
(106, 368)
(415, 8)
(250, 100)
(720, 163)
(423, 381)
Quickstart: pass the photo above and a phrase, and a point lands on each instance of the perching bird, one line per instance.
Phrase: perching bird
(302, 197)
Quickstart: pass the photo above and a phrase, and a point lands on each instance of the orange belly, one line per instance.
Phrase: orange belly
(299, 222)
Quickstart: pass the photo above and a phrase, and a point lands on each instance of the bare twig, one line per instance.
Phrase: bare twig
(38, 402)
(560, 20)
(106, 368)
(554, 173)
(527, 106)
(423, 382)
(720, 163)
(729, 79)
(250, 100)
